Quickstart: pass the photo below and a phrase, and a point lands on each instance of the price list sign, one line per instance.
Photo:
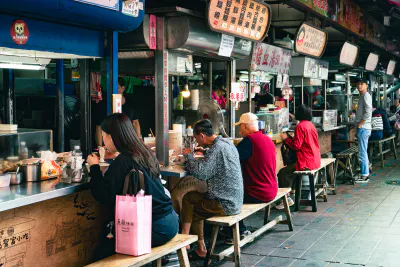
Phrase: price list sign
(311, 41)
(248, 19)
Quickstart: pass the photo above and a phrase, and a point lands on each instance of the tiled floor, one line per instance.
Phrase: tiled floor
(360, 226)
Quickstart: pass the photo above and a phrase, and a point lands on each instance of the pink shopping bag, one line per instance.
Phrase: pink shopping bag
(133, 220)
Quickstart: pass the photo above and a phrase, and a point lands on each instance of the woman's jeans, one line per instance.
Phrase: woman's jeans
(362, 139)
(164, 229)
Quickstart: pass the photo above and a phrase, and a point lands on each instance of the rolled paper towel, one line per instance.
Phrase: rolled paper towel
(177, 127)
(194, 94)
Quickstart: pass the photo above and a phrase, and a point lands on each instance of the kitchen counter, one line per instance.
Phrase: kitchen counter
(28, 193)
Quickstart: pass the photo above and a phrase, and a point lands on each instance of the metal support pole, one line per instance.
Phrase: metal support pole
(111, 67)
(325, 93)
(162, 94)
(249, 90)
(385, 81)
(60, 101)
(302, 90)
(85, 104)
(210, 77)
(9, 96)
(349, 96)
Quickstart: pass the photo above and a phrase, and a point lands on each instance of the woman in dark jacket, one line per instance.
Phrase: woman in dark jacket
(119, 136)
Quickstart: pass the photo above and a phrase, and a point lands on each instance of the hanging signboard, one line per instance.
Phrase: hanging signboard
(391, 67)
(237, 92)
(271, 59)
(248, 19)
(310, 41)
(351, 17)
(349, 54)
(153, 32)
(372, 62)
(110, 4)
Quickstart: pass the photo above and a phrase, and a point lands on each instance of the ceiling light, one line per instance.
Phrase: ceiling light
(186, 92)
(21, 66)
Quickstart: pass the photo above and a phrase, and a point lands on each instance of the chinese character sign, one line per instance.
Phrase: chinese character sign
(310, 41)
(247, 19)
(238, 91)
(270, 58)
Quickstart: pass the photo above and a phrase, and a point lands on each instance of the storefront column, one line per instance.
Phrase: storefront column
(385, 82)
(60, 101)
(85, 103)
(231, 77)
(210, 77)
(9, 96)
(162, 94)
(111, 68)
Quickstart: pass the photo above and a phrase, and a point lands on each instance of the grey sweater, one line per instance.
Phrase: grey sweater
(364, 110)
(220, 168)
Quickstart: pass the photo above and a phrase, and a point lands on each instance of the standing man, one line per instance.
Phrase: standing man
(363, 119)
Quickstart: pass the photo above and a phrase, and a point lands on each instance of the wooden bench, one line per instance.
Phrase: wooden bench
(177, 244)
(381, 143)
(350, 161)
(321, 188)
(247, 210)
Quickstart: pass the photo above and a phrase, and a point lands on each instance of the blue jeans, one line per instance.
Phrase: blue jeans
(376, 135)
(362, 138)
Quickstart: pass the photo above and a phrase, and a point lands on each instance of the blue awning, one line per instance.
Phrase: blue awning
(81, 13)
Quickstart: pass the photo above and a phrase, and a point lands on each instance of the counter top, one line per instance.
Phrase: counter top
(16, 196)
(175, 171)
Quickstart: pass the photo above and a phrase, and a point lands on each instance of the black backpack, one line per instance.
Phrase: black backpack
(288, 154)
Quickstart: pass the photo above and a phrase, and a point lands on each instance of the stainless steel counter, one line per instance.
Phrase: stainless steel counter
(174, 171)
(32, 192)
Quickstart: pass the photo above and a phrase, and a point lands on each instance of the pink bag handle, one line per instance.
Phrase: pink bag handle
(138, 185)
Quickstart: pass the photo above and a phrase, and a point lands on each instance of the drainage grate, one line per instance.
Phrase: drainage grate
(393, 182)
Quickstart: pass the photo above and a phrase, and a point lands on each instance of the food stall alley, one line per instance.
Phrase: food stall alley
(45, 220)
(184, 38)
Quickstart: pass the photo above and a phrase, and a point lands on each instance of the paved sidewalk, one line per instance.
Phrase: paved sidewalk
(360, 226)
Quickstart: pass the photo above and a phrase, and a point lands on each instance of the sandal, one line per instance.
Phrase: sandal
(193, 256)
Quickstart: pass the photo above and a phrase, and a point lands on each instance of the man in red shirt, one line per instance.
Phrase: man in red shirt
(258, 159)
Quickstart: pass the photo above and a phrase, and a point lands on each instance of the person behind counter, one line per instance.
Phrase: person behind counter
(305, 142)
(363, 119)
(258, 158)
(127, 109)
(119, 136)
(218, 94)
(220, 168)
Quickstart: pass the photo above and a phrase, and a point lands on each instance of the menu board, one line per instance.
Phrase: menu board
(375, 32)
(372, 62)
(351, 16)
(248, 19)
(391, 67)
(349, 54)
(270, 58)
(310, 41)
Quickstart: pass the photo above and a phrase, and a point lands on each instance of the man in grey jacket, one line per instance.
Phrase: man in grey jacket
(363, 119)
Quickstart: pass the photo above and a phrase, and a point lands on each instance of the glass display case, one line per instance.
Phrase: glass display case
(35, 140)
(276, 119)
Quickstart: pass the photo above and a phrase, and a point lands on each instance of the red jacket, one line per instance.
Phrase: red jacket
(259, 170)
(305, 142)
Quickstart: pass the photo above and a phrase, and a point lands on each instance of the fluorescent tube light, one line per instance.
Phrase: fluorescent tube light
(21, 66)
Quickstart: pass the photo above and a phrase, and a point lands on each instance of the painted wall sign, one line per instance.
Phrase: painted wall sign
(372, 62)
(110, 4)
(248, 19)
(349, 54)
(153, 32)
(391, 67)
(310, 41)
(19, 32)
(165, 98)
(270, 58)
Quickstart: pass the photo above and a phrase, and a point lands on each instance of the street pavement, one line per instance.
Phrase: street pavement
(360, 226)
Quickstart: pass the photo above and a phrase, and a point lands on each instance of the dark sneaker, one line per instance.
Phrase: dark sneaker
(362, 180)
